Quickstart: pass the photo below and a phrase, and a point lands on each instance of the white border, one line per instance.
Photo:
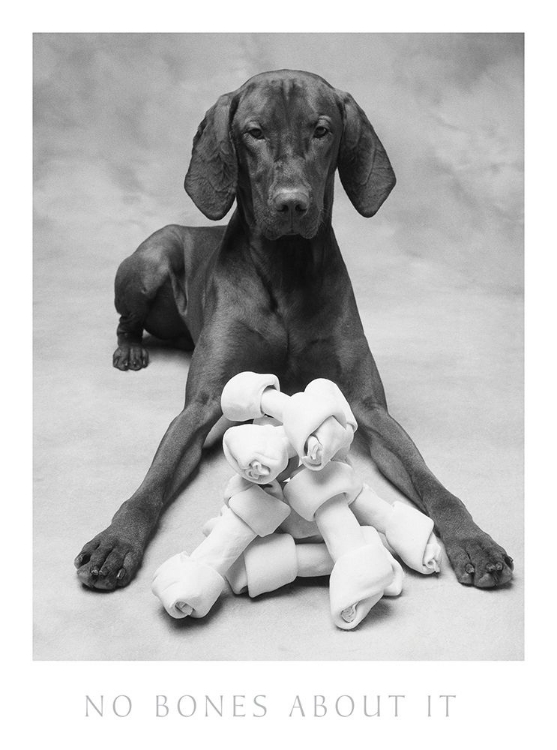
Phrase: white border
(497, 702)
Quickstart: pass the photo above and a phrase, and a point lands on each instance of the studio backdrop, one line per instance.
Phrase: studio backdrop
(438, 277)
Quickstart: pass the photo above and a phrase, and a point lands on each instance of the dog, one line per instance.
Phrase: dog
(269, 293)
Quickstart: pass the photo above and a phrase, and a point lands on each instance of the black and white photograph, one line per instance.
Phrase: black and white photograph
(278, 346)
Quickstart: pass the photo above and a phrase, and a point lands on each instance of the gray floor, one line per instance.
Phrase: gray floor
(437, 274)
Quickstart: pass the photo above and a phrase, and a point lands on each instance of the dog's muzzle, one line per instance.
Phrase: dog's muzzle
(292, 212)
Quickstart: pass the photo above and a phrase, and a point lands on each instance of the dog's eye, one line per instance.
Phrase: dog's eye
(256, 133)
(320, 131)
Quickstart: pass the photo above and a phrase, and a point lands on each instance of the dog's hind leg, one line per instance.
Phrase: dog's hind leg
(144, 297)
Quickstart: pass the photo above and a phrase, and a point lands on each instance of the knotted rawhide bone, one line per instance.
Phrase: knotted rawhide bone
(409, 533)
(191, 584)
(241, 396)
(257, 452)
(362, 570)
(318, 422)
(276, 560)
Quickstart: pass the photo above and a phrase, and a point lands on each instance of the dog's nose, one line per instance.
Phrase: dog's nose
(294, 202)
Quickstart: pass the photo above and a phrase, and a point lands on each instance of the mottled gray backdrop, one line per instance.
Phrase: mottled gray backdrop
(438, 274)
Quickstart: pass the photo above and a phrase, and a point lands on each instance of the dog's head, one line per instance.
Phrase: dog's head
(275, 143)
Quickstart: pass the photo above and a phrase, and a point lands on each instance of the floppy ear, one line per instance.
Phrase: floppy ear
(212, 174)
(363, 165)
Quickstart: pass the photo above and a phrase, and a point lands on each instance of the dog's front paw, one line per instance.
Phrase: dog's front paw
(478, 560)
(109, 561)
(130, 357)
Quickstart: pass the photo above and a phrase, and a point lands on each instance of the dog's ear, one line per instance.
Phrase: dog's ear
(213, 171)
(363, 165)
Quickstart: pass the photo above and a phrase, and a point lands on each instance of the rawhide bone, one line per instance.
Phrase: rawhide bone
(277, 560)
(258, 452)
(363, 568)
(191, 584)
(409, 533)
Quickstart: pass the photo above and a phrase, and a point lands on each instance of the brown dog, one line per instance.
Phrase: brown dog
(269, 293)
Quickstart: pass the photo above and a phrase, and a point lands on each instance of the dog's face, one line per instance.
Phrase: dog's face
(275, 143)
(286, 130)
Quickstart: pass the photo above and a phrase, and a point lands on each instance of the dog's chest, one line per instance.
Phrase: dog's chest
(297, 324)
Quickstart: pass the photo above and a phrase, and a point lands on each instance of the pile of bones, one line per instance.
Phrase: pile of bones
(296, 508)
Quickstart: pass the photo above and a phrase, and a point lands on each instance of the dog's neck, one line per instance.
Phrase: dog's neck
(291, 260)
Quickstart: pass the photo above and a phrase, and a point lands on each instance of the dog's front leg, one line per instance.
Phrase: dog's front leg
(226, 347)
(112, 557)
(476, 558)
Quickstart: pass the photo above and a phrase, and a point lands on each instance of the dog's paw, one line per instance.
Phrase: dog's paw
(107, 562)
(479, 561)
(130, 357)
